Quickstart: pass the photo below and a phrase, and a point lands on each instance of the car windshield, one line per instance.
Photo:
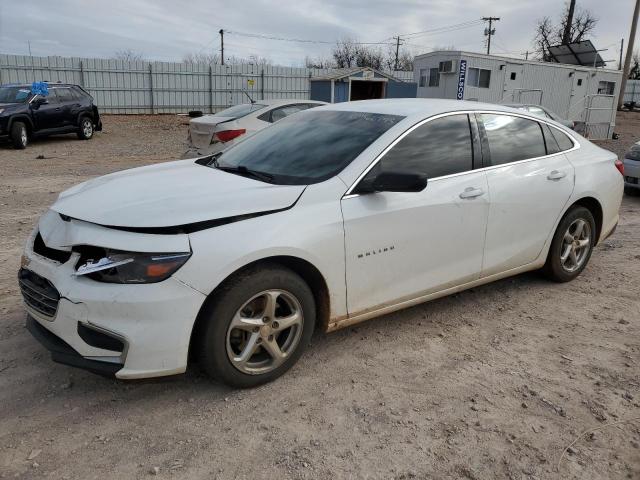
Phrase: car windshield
(306, 148)
(14, 94)
(238, 111)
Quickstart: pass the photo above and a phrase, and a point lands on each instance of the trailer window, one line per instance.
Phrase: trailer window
(434, 77)
(606, 88)
(479, 77)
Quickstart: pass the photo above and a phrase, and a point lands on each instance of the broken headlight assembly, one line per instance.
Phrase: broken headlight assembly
(115, 266)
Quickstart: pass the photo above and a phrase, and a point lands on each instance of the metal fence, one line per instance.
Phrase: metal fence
(632, 92)
(161, 87)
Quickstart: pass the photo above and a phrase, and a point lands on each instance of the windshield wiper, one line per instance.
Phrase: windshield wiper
(246, 172)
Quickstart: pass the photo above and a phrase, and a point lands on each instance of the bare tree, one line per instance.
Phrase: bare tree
(573, 26)
(201, 58)
(405, 59)
(319, 62)
(348, 53)
(128, 55)
(634, 72)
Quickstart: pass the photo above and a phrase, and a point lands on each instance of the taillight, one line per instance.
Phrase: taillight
(620, 166)
(227, 135)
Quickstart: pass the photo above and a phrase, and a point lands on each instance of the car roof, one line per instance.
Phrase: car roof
(416, 106)
(28, 85)
(274, 102)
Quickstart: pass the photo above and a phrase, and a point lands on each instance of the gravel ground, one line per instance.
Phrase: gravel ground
(490, 383)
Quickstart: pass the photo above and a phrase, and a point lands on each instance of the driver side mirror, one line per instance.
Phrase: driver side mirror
(393, 182)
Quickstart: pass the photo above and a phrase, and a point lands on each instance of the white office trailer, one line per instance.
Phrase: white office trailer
(587, 96)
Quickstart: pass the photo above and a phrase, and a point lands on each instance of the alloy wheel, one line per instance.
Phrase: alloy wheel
(264, 332)
(576, 244)
(23, 137)
(87, 128)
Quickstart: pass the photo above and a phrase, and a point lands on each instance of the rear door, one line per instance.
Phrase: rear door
(400, 246)
(69, 106)
(529, 184)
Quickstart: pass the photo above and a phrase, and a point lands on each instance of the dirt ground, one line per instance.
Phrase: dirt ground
(491, 383)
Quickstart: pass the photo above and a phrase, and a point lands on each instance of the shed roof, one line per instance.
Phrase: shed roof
(339, 73)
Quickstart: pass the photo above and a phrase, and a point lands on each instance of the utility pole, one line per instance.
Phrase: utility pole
(621, 48)
(397, 52)
(221, 32)
(490, 31)
(627, 60)
(566, 35)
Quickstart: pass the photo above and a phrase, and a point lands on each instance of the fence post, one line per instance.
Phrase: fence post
(262, 83)
(210, 89)
(81, 73)
(151, 87)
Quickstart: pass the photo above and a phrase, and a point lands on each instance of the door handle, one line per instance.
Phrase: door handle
(471, 192)
(556, 175)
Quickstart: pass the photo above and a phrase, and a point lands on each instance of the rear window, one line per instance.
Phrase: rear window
(238, 111)
(309, 147)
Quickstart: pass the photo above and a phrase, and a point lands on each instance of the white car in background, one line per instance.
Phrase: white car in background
(213, 133)
(340, 214)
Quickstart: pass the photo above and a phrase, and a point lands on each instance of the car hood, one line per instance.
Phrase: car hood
(173, 194)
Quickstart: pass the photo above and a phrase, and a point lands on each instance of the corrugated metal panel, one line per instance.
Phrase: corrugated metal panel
(161, 87)
(632, 92)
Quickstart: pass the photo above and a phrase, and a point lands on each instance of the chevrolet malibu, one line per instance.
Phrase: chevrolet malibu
(330, 217)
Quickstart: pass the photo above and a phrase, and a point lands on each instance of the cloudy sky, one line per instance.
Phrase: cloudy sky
(168, 29)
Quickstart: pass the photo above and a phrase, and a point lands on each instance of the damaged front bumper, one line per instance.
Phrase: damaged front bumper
(125, 330)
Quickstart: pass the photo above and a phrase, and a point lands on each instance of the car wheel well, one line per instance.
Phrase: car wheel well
(309, 273)
(595, 208)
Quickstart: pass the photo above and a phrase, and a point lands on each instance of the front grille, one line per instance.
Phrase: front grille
(38, 293)
(40, 248)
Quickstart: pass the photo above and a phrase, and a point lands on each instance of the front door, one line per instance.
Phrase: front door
(512, 82)
(403, 245)
(48, 115)
(529, 190)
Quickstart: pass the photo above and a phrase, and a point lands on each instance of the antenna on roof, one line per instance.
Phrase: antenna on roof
(247, 94)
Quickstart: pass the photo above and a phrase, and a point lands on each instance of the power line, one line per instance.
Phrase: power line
(444, 29)
(298, 40)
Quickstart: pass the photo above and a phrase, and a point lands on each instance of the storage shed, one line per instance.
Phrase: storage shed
(362, 83)
(585, 95)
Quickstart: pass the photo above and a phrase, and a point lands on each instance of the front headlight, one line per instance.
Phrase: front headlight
(114, 266)
(1, 110)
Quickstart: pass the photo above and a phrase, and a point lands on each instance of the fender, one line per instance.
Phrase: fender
(22, 117)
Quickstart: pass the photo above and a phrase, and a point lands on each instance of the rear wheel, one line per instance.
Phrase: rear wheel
(572, 245)
(86, 128)
(19, 135)
(256, 327)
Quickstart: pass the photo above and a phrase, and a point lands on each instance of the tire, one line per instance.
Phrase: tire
(19, 135)
(632, 192)
(85, 131)
(238, 328)
(577, 224)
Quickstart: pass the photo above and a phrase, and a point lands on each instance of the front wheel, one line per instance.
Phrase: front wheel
(86, 128)
(19, 135)
(571, 246)
(256, 327)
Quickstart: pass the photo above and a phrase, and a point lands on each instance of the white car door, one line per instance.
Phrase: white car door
(403, 245)
(529, 185)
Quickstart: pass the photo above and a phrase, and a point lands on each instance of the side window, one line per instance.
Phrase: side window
(79, 93)
(52, 97)
(65, 95)
(512, 138)
(437, 148)
(564, 142)
(549, 140)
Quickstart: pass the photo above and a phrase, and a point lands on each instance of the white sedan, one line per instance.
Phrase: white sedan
(213, 133)
(344, 213)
